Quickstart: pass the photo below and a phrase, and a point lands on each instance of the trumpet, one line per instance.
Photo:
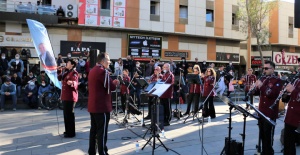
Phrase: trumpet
(251, 91)
(284, 90)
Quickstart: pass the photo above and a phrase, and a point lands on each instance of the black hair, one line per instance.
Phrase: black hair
(271, 63)
(72, 63)
(101, 57)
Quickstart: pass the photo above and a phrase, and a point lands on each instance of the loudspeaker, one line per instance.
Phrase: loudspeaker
(93, 57)
(297, 14)
(236, 148)
(71, 11)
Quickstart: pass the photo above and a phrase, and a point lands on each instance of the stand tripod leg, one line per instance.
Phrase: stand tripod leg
(162, 144)
(147, 143)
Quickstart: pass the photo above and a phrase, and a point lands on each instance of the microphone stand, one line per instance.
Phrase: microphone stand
(177, 112)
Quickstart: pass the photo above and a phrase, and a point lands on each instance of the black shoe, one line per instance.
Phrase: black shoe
(166, 124)
(69, 136)
(147, 117)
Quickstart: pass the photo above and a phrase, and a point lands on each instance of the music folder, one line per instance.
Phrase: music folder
(159, 89)
(193, 78)
(150, 86)
(142, 82)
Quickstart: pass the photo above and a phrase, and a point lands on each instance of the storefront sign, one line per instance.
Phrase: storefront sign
(78, 48)
(256, 60)
(176, 54)
(18, 41)
(284, 58)
(228, 57)
(144, 46)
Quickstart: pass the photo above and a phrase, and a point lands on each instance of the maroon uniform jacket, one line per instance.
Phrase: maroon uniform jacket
(154, 77)
(209, 82)
(292, 116)
(124, 88)
(269, 91)
(69, 92)
(168, 78)
(195, 88)
(249, 80)
(99, 100)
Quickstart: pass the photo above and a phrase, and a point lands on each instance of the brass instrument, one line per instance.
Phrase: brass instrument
(283, 92)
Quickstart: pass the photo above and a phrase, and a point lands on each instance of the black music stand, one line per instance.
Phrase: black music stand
(157, 91)
(194, 79)
(266, 119)
(143, 83)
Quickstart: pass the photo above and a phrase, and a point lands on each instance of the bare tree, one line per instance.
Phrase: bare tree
(254, 16)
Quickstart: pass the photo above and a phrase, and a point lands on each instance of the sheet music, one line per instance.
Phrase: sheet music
(159, 89)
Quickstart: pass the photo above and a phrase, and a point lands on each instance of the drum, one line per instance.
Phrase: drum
(234, 82)
(241, 82)
(281, 106)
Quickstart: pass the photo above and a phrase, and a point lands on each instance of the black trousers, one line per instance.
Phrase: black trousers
(123, 102)
(167, 109)
(228, 92)
(250, 97)
(193, 97)
(98, 132)
(209, 108)
(289, 140)
(266, 132)
(69, 118)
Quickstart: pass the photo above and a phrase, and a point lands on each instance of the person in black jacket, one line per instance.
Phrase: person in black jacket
(136, 89)
(18, 82)
(3, 64)
(229, 67)
(30, 95)
(204, 66)
(184, 66)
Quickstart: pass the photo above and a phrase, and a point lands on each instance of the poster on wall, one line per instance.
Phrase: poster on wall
(119, 13)
(105, 21)
(91, 9)
(285, 58)
(91, 20)
(140, 46)
(80, 48)
(228, 57)
(256, 60)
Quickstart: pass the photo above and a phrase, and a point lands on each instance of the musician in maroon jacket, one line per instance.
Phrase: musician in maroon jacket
(154, 78)
(124, 88)
(194, 93)
(292, 118)
(99, 103)
(69, 96)
(269, 88)
(209, 81)
(165, 99)
(249, 80)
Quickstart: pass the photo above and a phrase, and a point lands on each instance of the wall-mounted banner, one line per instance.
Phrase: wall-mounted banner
(77, 48)
(141, 46)
(285, 58)
(256, 60)
(228, 57)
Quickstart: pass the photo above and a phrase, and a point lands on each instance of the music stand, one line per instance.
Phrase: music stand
(157, 91)
(143, 83)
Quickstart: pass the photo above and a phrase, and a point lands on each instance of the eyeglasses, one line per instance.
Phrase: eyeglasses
(208, 71)
(266, 68)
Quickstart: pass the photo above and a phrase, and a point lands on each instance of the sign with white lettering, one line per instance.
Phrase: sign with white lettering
(285, 58)
(140, 46)
(78, 48)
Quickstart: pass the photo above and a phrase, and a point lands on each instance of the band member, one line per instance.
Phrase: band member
(228, 78)
(249, 80)
(69, 96)
(209, 81)
(154, 78)
(292, 118)
(100, 104)
(269, 88)
(165, 99)
(124, 88)
(194, 93)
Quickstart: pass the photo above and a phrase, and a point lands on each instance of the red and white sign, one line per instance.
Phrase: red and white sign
(284, 58)
(119, 13)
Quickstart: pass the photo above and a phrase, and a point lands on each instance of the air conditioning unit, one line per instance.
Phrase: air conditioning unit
(71, 11)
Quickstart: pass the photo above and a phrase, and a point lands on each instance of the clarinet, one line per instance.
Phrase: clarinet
(284, 90)
(251, 91)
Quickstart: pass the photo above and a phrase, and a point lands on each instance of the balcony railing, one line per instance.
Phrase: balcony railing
(27, 8)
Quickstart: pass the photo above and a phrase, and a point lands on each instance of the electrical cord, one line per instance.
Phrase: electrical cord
(200, 138)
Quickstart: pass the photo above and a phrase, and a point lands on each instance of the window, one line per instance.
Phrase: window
(209, 15)
(234, 22)
(154, 8)
(105, 4)
(291, 27)
(183, 11)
